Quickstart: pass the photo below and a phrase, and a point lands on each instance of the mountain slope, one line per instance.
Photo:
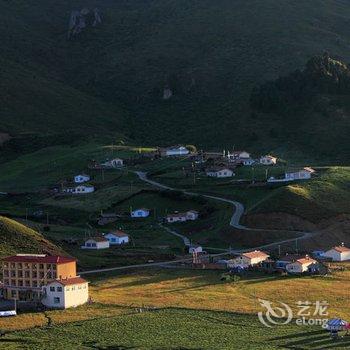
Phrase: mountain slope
(17, 238)
(210, 55)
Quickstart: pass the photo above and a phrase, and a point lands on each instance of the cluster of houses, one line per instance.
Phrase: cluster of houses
(42, 279)
(80, 186)
(289, 263)
(116, 237)
(234, 159)
(81, 181)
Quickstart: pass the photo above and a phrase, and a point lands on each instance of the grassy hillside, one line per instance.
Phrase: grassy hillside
(324, 197)
(210, 54)
(17, 238)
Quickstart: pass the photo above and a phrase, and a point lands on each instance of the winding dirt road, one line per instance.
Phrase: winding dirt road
(238, 211)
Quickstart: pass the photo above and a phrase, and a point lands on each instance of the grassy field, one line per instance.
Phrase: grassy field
(205, 290)
(183, 309)
(173, 329)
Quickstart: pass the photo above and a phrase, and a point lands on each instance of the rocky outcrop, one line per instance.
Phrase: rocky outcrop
(80, 20)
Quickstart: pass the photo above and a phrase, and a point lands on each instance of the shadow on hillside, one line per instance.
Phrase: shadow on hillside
(319, 340)
(146, 280)
(321, 343)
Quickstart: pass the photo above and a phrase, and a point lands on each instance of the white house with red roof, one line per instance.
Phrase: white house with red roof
(65, 293)
(247, 259)
(338, 253)
(301, 265)
(117, 237)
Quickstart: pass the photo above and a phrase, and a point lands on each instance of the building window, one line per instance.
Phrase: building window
(56, 300)
(52, 289)
(13, 294)
(13, 282)
(59, 289)
(20, 265)
(41, 266)
(20, 283)
(35, 283)
(20, 274)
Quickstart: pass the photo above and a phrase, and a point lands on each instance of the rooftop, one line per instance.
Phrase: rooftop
(39, 258)
(98, 239)
(118, 233)
(255, 254)
(306, 260)
(71, 281)
(341, 249)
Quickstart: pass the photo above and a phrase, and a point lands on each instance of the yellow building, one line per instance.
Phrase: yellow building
(24, 275)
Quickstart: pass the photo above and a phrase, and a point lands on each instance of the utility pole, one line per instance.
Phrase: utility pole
(103, 174)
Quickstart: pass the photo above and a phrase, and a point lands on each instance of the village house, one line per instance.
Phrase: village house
(182, 217)
(117, 237)
(65, 293)
(237, 156)
(338, 253)
(140, 213)
(303, 174)
(221, 172)
(195, 249)
(192, 215)
(113, 163)
(25, 275)
(248, 161)
(283, 261)
(81, 189)
(302, 265)
(268, 160)
(81, 178)
(96, 243)
(176, 151)
(248, 259)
